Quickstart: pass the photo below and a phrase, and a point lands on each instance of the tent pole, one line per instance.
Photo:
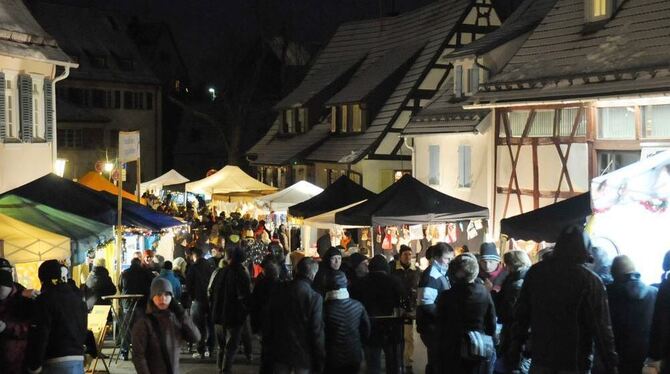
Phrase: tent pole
(139, 173)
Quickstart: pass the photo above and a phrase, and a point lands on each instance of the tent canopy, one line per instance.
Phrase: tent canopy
(295, 194)
(97, 182)
(546, 223)
(23, 243)
(85, 233)
(230, 180)
(409, 201)
(327, 220)
(138, 215)
(341, 193)
(170, 178)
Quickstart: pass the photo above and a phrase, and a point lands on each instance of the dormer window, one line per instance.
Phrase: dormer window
(348, 118)
(468, 79)
(600, 10)
(294, 121)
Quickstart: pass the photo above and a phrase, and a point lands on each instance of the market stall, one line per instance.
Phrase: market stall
(292, 195)
(230, 184)
(632, 209)
(97, 182)
(546, 223)
(155, 186)
(409, 210)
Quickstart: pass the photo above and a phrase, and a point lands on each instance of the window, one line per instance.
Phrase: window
(333, 174)
(458, 81)
(345, 119)
(599, 8)
(133, 100)
(70, 138)
(434, 165)
(290, 121)
(656, 121)
(358, 120)
(12, 105)
(543, 124)
(117, 99)
(608, 161)
(616, 123)
(150, 101)
(78, 96)
(38, 107)
(464, 166)
(99, 99)
(567, 121)
(127, 100)
(334, 119)
(473, 80)
(517, 122)
(302, 125)
(397, 174)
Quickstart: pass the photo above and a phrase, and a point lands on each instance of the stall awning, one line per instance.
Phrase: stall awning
(341, 193)
(409, 201)
(170, 178)
(229, 181)
(138, 215)
(546, 223)
(327, 220)
(295, 194)
(22, 243)
(85, 233)
(97, 182)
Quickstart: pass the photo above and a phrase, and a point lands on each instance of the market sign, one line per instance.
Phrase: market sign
(129, 146)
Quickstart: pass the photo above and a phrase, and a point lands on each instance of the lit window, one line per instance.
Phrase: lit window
(656, 121)
(434, 165)
(599, 8)
(616, 123)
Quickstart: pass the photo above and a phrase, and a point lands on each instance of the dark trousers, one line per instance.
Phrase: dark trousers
(125, 338)
(229, 340)
(347, 369)
(535, 369)
(430, 341)
(203, 321)
(373, 359)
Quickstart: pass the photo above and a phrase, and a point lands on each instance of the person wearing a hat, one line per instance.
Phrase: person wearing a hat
(466, 306)
(15, 312)
(346, 325)
(631, 305)
(332, 260)
(58, 328)
(98, 284)
(159, 333)
(357, 269)
(380, 293)
(491, 274)
(5, 265)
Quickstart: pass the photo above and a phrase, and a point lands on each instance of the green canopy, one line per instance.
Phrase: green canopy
(84, 233)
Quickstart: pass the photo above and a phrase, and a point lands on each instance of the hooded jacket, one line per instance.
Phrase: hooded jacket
(136, 281)
(230, 296)
(15, 312)
(631, 305)
(98, 284)
(197, 280)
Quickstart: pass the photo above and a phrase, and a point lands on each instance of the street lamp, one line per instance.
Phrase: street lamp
(59, 167)
(108, 167)
(212, 91)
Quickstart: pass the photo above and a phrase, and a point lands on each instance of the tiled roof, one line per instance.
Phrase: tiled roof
(432, 24)
(523, 20)
(276, 149)
(628, 54)
(88, 34)
(21, 36)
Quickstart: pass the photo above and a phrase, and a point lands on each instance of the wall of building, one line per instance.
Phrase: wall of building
(21, 163)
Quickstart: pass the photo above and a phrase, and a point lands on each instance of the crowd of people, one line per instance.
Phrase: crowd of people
(474, 313)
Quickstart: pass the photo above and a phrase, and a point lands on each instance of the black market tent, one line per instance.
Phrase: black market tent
(409, 201)
(546, 223)
(62, 194)
(341, 193)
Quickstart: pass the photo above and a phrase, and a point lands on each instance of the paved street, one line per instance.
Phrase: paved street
(242, 366)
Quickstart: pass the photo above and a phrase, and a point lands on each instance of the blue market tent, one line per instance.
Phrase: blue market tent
(138, 215)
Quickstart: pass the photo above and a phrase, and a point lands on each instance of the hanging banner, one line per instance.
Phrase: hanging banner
(129, 146)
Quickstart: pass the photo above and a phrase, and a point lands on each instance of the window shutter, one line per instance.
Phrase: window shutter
(3, 108)
(458, 81)
(466, 166)
(461, 172)
(474, 80)
(48, 110)
(26, 110)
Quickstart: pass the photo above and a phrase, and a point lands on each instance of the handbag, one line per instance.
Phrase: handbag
(477, 346)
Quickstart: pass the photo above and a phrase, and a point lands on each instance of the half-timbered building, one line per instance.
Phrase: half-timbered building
(346, 116)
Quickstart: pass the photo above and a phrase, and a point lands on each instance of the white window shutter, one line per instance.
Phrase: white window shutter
(458, 81)
(26, 107)
(3, 108)
(467, 173)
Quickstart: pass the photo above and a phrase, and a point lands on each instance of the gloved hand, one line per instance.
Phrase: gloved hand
(3, 326)
(177, 309)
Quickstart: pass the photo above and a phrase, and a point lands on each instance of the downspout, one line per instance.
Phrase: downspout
(404, 139)
(54, 135)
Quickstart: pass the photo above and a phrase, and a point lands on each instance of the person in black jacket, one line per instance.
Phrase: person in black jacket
(331, 262)
(56, 338)
(631, 308)
(380, 294)
(98, 284)
(565, 306)
(197, 282)
(346, 324)
(135, 280)
(466, 306)
(267, 284)
(659, 340)
(408, 274)
(294, 328)
(230, 299)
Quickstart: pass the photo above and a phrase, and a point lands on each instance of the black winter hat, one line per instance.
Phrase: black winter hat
(332, 251)
(4, 263)
(489, 252)
(355, 259)
(49, 271)
(379, 263)
(6, 279)
(336, 280)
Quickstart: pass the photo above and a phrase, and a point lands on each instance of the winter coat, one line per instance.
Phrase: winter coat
(98, 284)
(409, 278)
(174, 281)
(197, 280)
(433, 281)
(294, 327)
(565, 306)
(462, 308)
(264, 289)
(631, 305)
(380, 294)
(659, 340)
(230, 296)
(185, 298)
(15, 312)
(505, 302)
(136, 280)
(175, 327)
(346, 325)
(59, 325)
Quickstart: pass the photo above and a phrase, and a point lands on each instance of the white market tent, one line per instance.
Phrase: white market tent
(23, 243)
(229, 182)
(295, 194)
(172, 177)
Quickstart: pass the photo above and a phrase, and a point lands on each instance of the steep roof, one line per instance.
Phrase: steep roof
(22, 37)
(524, 19)
(90, 35)
(274, 149)
(428, 27)
(628, 54)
